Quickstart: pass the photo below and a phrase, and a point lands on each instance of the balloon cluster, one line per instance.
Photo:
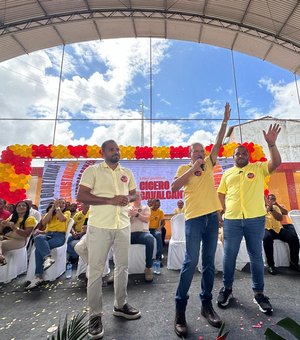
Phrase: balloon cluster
(143, 152)
(15, 170)
(161, 152)
(179, 151)
(15, 161)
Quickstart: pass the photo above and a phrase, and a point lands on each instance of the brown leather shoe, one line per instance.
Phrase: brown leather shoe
(148, 275)
(180, 325)
(211, 316)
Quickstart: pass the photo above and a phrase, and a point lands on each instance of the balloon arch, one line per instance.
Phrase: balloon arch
(15, 161)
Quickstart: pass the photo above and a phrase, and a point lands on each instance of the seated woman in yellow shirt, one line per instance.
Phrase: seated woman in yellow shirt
(275, 231)
(51, 235)
(15, 230)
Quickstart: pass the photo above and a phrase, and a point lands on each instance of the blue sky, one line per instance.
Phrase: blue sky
(109, 79)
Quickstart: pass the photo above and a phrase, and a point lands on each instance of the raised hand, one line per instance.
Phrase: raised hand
(227, 112)
(271, 135)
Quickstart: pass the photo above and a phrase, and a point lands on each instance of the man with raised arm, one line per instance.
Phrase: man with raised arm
(241, 193)
(202, 224)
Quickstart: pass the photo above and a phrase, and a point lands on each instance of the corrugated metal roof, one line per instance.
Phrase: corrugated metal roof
(267, 29)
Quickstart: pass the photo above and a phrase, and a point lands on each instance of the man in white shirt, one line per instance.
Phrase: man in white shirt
(139, 219)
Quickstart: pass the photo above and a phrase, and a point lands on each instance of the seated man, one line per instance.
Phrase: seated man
(157, 222)
(180, 208)
(82, 251)
(286, 221)
(77, 231)
(139, 221)
(273, 231)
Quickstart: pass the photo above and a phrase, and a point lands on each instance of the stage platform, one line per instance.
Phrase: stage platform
(32, 315)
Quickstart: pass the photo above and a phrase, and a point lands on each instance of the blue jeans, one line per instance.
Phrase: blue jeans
(253, 230)
(200, 229)
(70, 248)
(43, 245)
(141, 237)
(159, 243)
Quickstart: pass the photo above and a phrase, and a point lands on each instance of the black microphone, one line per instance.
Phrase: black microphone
(202, 166)
(240, 172)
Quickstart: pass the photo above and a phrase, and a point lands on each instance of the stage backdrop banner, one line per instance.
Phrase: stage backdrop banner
(153, 179)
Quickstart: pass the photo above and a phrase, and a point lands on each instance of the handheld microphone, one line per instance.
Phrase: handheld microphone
(202, 166)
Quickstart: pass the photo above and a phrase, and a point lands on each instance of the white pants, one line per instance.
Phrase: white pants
(99, 242)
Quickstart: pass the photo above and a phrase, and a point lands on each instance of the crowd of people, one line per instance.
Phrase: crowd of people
(112, 215)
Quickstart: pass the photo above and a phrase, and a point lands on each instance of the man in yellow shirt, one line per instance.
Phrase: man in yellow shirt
(275, 231)
(156, 226)
(201, 225)
(286, 221)
(180, 208)
(108, 188)
(241, 193)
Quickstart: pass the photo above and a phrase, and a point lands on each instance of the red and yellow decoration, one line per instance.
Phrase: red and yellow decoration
(15, 161)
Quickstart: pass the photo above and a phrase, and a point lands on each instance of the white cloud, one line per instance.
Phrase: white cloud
(32, 86)
(208, 109)
(201, 136)
(286, 102)
(165, 102)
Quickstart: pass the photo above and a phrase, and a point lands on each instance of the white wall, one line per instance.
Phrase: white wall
(288, 141)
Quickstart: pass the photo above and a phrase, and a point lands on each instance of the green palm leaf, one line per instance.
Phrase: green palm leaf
(290, 325)
(75, 330)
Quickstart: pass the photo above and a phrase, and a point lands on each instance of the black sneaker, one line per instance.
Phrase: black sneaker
(127, 312)
(225, 294)
(96, 330)
(263, 303)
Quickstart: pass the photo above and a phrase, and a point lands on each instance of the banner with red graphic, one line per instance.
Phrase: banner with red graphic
(153, 179)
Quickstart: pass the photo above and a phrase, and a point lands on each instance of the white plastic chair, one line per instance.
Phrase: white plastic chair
(137, 258)
(218, 258)
(176, 250)
(17, 262)
(295, 217)
(281, 253)
(82, 266)
(58, 254)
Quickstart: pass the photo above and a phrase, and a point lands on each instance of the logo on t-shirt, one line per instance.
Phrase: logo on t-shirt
(124, 179)
(250, 175)
(198, 173)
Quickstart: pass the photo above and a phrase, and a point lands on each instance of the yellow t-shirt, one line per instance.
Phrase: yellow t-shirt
(200, 195)
(271, 222)
(106, 182)
(155, 218)
(79, 219)
(55, 225)
(178, 211)
(244, 190)
(29, 223)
